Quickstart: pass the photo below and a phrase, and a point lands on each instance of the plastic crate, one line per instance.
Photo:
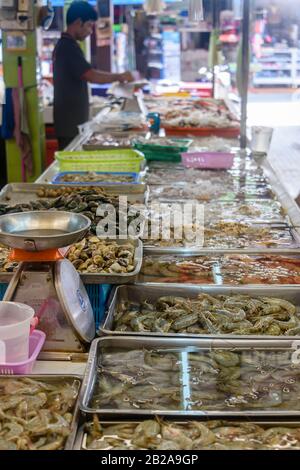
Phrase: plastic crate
(166, 153)
(180, 146)
(98, 295)
(58, 179)
(119, 160)
(208, 160)
(163, 157)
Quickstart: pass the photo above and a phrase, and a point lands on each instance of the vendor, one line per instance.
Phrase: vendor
(71, 73)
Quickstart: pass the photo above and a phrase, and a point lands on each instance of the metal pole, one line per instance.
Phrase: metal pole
(214, 25)
(245, 71)
(130, 15)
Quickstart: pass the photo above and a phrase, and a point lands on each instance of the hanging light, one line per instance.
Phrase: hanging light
(196, 14)
(153, 7)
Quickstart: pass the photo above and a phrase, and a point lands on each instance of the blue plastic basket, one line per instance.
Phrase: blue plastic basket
(98, 295)
(58, 178)
(3, 288)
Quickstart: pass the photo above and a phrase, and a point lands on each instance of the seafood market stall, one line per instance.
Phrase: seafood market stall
(180, 334)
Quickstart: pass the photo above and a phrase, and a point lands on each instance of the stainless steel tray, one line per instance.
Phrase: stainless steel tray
(87, 145)
(228, 196)
(80, 441)
(98, 278)
(142, 292)
(54, 378)
(217, 276)
(281, 218)
(168, 250)
(190, 345)
(17, 193)
(123, 278)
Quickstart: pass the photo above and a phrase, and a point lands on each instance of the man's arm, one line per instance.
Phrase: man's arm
(96, 76)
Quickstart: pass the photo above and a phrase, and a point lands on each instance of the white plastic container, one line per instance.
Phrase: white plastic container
(15, 324)
(261, 139)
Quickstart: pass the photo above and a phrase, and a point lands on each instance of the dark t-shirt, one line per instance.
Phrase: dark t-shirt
(71, 100)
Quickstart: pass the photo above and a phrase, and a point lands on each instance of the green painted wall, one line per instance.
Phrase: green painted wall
(34, 106)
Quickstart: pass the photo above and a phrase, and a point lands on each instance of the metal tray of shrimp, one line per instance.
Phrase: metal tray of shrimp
(104, 439)
(158, 309)
(231, 270)
(289, 245)
(17, 193)
(142, 376)
(76, 382)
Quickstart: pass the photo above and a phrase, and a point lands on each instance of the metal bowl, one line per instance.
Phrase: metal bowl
(42, 230)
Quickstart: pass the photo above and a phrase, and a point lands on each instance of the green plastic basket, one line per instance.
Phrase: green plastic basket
(166, 153)
(163, 157)
(120, 160)
(180, 146)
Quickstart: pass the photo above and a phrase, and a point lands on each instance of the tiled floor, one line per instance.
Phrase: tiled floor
(285, 157)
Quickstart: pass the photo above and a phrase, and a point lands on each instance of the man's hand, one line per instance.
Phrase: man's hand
(125, 77)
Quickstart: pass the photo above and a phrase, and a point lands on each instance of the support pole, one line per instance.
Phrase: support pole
(130, 17)
(245, 71)
(215, 23)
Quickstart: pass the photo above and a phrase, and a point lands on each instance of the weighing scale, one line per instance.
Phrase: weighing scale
(47, 281)
(131, 94)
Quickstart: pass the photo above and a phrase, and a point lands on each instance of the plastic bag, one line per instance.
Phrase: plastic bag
(196, 11)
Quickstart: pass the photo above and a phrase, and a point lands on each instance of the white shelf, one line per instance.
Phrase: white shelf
(273, 61)
(273, 81)
(274, 51)
(276, 69)
(290, 65)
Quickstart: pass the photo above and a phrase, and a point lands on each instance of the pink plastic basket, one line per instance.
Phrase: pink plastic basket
(208, 160)
(36, 342)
